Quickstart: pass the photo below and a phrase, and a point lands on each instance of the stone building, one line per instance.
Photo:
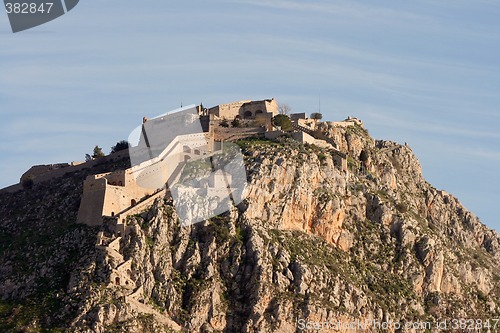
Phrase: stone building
(245, 109)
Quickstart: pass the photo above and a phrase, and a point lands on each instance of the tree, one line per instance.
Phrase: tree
(282, 121)
(316, 116)
(97, 152)
(120, 145)
(284, 109)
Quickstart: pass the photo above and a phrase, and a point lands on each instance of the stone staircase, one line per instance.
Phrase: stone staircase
(134, 296)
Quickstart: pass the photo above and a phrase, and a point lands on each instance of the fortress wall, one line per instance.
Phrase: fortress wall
(265, 106)
(92, 203)
(297, 116)
(116, 199)
(303, 137)
(38, 170)
(307, 123)
(140, 207)
(346, 123)
(116, 178)
(76, 166)
(341, 123)
(194, 139)
(306, 138)
(108, 194)
(229, 110)
(272, 107)
(99, 175)
(12, 188)
(61, 172)
(151, 177)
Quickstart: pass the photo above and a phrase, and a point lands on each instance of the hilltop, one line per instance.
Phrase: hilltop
(327, 233)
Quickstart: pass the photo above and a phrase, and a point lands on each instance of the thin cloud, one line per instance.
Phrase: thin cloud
(381, 118)
(350, 9)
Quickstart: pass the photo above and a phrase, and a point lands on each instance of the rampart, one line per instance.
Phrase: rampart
(45, 173)
(350, 121)
(113, 193)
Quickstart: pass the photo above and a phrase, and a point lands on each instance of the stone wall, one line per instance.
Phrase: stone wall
(109, 194)
(45, 173)
(250, 110)
(297, 116)
(350, 121)
(229, 110)
(38, 170)
(245, 109)
(94, 190)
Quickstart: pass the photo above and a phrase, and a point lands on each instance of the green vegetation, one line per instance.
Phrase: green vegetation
(283, 121)
(29, 314)
(97, 153)
(311, 250)
(221, 228)
(324, 194)
(120, 145)
(316, 116)
(352, 164)
(150, 242)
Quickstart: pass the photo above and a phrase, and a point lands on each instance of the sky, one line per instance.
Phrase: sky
(422, 72)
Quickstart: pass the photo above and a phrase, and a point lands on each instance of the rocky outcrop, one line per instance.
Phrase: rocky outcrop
(310, 244)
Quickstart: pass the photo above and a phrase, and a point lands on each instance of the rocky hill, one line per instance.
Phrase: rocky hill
(310, 245)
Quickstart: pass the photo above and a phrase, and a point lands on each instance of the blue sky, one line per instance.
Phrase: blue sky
(422, 72)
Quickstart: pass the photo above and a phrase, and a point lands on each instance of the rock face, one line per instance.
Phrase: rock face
(310, 245)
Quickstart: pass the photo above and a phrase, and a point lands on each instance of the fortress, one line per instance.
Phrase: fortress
(165, 145)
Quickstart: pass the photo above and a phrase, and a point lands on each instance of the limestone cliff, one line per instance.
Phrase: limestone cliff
(311, 243)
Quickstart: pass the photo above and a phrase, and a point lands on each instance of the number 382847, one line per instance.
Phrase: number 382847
(28, 8)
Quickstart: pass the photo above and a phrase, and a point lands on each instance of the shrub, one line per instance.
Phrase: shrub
(316, 116)
(283, 121)
(96, 153)
(120, 145)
